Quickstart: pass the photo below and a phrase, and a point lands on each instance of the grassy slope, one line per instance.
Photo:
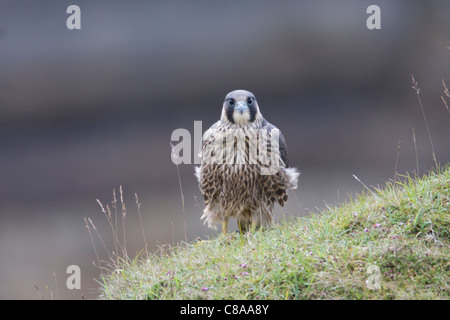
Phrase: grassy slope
(402, 229)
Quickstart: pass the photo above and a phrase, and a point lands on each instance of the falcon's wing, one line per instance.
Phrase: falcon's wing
(208, 177)
(207, 139)
(282, 143)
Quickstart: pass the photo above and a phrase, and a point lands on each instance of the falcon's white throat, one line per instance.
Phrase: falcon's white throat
(241, 119)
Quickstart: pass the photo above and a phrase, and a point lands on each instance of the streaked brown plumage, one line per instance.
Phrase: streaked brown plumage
(234, 177)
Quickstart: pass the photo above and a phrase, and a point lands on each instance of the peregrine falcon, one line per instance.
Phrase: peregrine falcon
(244, 166)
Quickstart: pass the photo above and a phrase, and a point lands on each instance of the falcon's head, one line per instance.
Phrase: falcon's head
(240, 107)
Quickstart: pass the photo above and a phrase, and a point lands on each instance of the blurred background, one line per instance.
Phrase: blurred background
(85, 111)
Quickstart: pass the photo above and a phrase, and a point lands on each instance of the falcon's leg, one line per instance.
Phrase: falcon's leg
(242, 226)
(225, 225)
(253, 226)
(248, 226)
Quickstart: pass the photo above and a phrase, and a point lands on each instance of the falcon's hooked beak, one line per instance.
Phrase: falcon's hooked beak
(241, 114)
(241, 107)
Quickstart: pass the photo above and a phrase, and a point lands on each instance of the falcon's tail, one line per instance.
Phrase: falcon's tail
(198, 172)
(292, 174)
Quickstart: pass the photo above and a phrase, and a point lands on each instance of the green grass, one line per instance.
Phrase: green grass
(402, 230)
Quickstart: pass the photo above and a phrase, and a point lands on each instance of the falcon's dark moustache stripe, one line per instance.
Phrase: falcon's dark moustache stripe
(229, 110)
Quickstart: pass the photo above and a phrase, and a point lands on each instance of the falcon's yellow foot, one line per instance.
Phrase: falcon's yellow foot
(253, 227)
(225, 226)
(248, 227)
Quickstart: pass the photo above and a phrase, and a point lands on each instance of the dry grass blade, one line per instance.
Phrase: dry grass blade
(415, 86)
(114, 205)
(447, 93)
(92, 240)
(415, 149)
(100, 237)
(120, 254)
(56, 285)
(138, 204)
(396, 161)
(108, 216)
(172, 147)
(124, 215)
(357, 179)
(37, 290)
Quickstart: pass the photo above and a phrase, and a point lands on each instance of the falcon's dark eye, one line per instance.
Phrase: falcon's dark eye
(250, 101)
(231, 102)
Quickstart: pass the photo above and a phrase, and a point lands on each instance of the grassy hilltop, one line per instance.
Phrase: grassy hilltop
(389, 243)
